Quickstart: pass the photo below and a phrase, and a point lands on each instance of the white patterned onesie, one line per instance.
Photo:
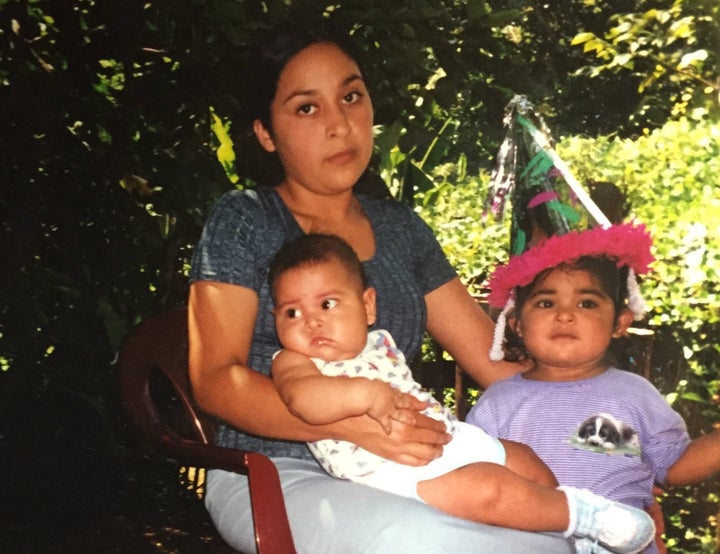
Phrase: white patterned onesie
(382, 360)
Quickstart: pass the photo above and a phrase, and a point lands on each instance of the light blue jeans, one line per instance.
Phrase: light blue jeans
(333, 516)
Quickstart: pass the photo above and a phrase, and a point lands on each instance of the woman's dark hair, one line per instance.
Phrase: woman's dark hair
(275, 50)
(312, 249)
(613, 280)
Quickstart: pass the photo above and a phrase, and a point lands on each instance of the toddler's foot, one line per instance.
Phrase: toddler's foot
(618, 527)
(587, 546)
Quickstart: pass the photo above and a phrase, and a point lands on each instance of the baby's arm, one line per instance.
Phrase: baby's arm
(701, 460)
(319, 399)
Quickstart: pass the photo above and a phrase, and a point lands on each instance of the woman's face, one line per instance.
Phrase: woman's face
(322, 121)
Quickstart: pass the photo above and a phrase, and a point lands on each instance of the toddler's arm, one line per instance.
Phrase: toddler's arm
(319, 399)
(701, 460)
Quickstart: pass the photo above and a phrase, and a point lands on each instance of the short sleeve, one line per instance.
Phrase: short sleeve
(432, 266)
(665, 433)
(237, 242)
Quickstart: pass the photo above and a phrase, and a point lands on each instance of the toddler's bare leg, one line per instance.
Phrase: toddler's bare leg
(521, 459)
(491, 493)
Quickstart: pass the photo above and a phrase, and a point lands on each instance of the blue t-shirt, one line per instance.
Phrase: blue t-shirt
(246, 229)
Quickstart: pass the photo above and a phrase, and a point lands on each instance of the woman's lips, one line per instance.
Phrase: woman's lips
(342, 158)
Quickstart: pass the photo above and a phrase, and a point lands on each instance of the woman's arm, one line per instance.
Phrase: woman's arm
(221, 319)
(319, 399)
(461, 326)
(701, 460)
(221, 322)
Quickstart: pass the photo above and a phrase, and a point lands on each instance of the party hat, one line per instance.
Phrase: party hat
(554, 219)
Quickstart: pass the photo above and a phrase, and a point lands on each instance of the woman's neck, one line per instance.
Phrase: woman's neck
(308, 204)
(335, 214)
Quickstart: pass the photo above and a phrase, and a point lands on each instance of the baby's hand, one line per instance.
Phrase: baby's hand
(388, 404)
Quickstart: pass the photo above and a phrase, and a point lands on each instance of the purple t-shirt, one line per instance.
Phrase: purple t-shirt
(614, 434)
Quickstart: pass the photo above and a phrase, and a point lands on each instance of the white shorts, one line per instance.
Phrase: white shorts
(469, 444)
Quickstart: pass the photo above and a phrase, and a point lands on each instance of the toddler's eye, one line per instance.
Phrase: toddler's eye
(293, 313)
(328, 303)
(307, 109)
(544, 304)
(588, 304)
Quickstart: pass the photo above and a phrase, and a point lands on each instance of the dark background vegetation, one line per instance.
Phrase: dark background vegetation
(108, 167)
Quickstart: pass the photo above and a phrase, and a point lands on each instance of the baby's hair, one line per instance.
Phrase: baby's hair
(312, 249)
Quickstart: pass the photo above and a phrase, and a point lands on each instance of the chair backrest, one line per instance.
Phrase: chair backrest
(158, 347)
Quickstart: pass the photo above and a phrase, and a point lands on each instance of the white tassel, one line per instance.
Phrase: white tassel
(497, 352)
(635, 300)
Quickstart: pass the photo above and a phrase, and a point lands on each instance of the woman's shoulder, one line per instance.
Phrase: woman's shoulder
(385, 205)
(247, 207)
(396, 215)
(255, 198)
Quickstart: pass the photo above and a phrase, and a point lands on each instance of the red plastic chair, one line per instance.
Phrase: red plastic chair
(159, 346)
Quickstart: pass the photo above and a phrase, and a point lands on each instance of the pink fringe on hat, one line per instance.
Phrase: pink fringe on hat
(628, 243)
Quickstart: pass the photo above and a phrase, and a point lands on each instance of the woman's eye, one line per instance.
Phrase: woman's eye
(328, 303)
(352, 97)
(293, 313)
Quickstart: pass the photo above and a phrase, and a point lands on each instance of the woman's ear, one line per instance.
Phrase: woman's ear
(369, 298)
(264, 136)
(624, 320)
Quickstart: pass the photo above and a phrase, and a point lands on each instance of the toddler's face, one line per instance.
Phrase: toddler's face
(322, 311)
(567, 323)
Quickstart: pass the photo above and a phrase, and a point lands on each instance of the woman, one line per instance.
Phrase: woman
(315, 113)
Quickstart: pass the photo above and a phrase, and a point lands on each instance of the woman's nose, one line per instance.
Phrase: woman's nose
(337, 123)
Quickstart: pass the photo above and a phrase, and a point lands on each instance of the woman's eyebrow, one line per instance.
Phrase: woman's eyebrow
(311, 91)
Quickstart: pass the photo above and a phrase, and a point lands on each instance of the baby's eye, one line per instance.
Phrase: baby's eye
(328, 303)
(588, 304)
(293, 313)
(544, 304)
(307, 109)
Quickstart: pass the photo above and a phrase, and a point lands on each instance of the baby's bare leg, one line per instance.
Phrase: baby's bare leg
(521, 459)
(491, 493)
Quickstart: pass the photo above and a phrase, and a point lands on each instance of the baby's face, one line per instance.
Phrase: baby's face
(322, 311)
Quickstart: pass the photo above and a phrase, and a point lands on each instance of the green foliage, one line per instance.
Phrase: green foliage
(670, 50)
(473, 242)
